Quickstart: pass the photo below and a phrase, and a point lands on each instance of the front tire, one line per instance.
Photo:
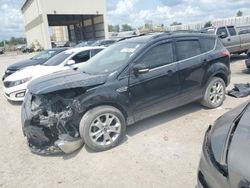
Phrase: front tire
(215, 93)
(102, 128)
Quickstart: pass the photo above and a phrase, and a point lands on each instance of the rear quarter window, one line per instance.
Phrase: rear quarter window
(207, 44)
(187, 49)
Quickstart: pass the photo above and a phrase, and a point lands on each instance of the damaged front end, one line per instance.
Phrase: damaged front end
(51, 121)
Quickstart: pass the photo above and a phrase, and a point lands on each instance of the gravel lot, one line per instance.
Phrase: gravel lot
(162, 151)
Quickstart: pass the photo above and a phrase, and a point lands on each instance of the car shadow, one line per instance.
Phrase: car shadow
(235, 58)
(15, 103)
(164, 117)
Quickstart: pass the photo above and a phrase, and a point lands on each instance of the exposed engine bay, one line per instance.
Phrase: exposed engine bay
(54, 123)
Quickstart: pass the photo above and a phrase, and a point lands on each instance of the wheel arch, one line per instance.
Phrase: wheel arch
(122, 109)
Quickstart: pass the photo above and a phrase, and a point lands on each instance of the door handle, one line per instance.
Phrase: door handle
(204, 62)
(170, 73)
(229, 40)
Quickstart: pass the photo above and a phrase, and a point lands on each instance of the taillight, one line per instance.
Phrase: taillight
(225, 53)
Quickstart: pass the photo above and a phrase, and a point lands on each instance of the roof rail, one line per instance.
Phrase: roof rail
(184, 31)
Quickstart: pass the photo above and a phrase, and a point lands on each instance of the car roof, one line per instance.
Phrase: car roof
(80, 49)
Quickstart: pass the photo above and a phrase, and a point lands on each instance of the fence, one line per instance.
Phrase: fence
(241, 22)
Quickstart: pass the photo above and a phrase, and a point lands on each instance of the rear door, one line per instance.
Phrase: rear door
(234, 39)
(194, 59)
(157, 90)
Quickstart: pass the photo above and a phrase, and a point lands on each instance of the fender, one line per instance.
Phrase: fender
(217, 69)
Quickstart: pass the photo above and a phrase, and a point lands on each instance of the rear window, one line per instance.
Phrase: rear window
(207, 44)
(231, 30)
(187, 49)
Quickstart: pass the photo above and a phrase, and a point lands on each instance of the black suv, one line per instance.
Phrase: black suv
(125, 83)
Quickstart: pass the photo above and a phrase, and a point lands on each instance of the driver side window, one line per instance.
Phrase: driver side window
(158, 56)
(222, 30)
(81, 57)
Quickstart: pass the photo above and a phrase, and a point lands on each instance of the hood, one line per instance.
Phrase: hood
(25, 63)
(221, 132)
(64, 80)
(33, 71)
(239, 151)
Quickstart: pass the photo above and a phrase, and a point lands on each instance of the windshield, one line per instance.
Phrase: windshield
(44, 55)
(111, 58)
(58, 59)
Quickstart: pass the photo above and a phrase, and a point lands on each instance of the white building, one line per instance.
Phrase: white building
(85, 19)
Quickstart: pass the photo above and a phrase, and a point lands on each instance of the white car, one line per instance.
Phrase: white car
(15, 85)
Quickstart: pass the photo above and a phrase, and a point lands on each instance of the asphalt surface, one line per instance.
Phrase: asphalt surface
(162, 151)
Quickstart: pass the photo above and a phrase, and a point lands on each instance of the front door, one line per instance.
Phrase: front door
(157, 90)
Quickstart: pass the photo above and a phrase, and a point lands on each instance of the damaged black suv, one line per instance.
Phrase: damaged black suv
(127, 82)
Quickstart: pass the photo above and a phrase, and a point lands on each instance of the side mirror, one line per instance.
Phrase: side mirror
(140, 69)
(223, 35)
(70, 62)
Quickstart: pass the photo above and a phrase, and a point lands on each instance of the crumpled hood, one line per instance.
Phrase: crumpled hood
(221, 131)
(64, 80)
(25, 63)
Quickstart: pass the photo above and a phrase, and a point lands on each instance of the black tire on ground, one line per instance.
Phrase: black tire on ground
(90, 117)
(207, 101)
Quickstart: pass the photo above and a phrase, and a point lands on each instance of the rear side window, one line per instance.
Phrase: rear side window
(187, 49)
(159, 55)
(95, 51)
(231, 30)
(207, 44)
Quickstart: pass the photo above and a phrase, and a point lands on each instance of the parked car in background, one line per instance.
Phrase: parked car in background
(2, 50)
(15, 85)
(235, 43)
(69, 44)
(86, 43)
(104, 42)
(27, 49)
(38, 59)
(20, 47)
(225, 155)
(125, 83)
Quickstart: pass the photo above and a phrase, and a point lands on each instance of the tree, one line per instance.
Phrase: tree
(175, 23)
(126, 27)
(208, 24)
(113, 28)
(239, 13)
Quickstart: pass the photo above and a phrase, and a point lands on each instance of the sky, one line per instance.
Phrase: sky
(136, 12)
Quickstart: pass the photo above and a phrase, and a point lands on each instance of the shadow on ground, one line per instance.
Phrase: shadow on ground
(235, 58)
(163, 118)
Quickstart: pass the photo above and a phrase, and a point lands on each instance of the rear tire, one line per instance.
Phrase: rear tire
(102, 128)
(215, 93)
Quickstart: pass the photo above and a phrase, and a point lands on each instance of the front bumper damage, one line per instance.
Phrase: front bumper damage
(51, 123)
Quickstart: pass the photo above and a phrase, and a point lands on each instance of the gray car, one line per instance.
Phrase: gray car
(226, 151)
(235, 42)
